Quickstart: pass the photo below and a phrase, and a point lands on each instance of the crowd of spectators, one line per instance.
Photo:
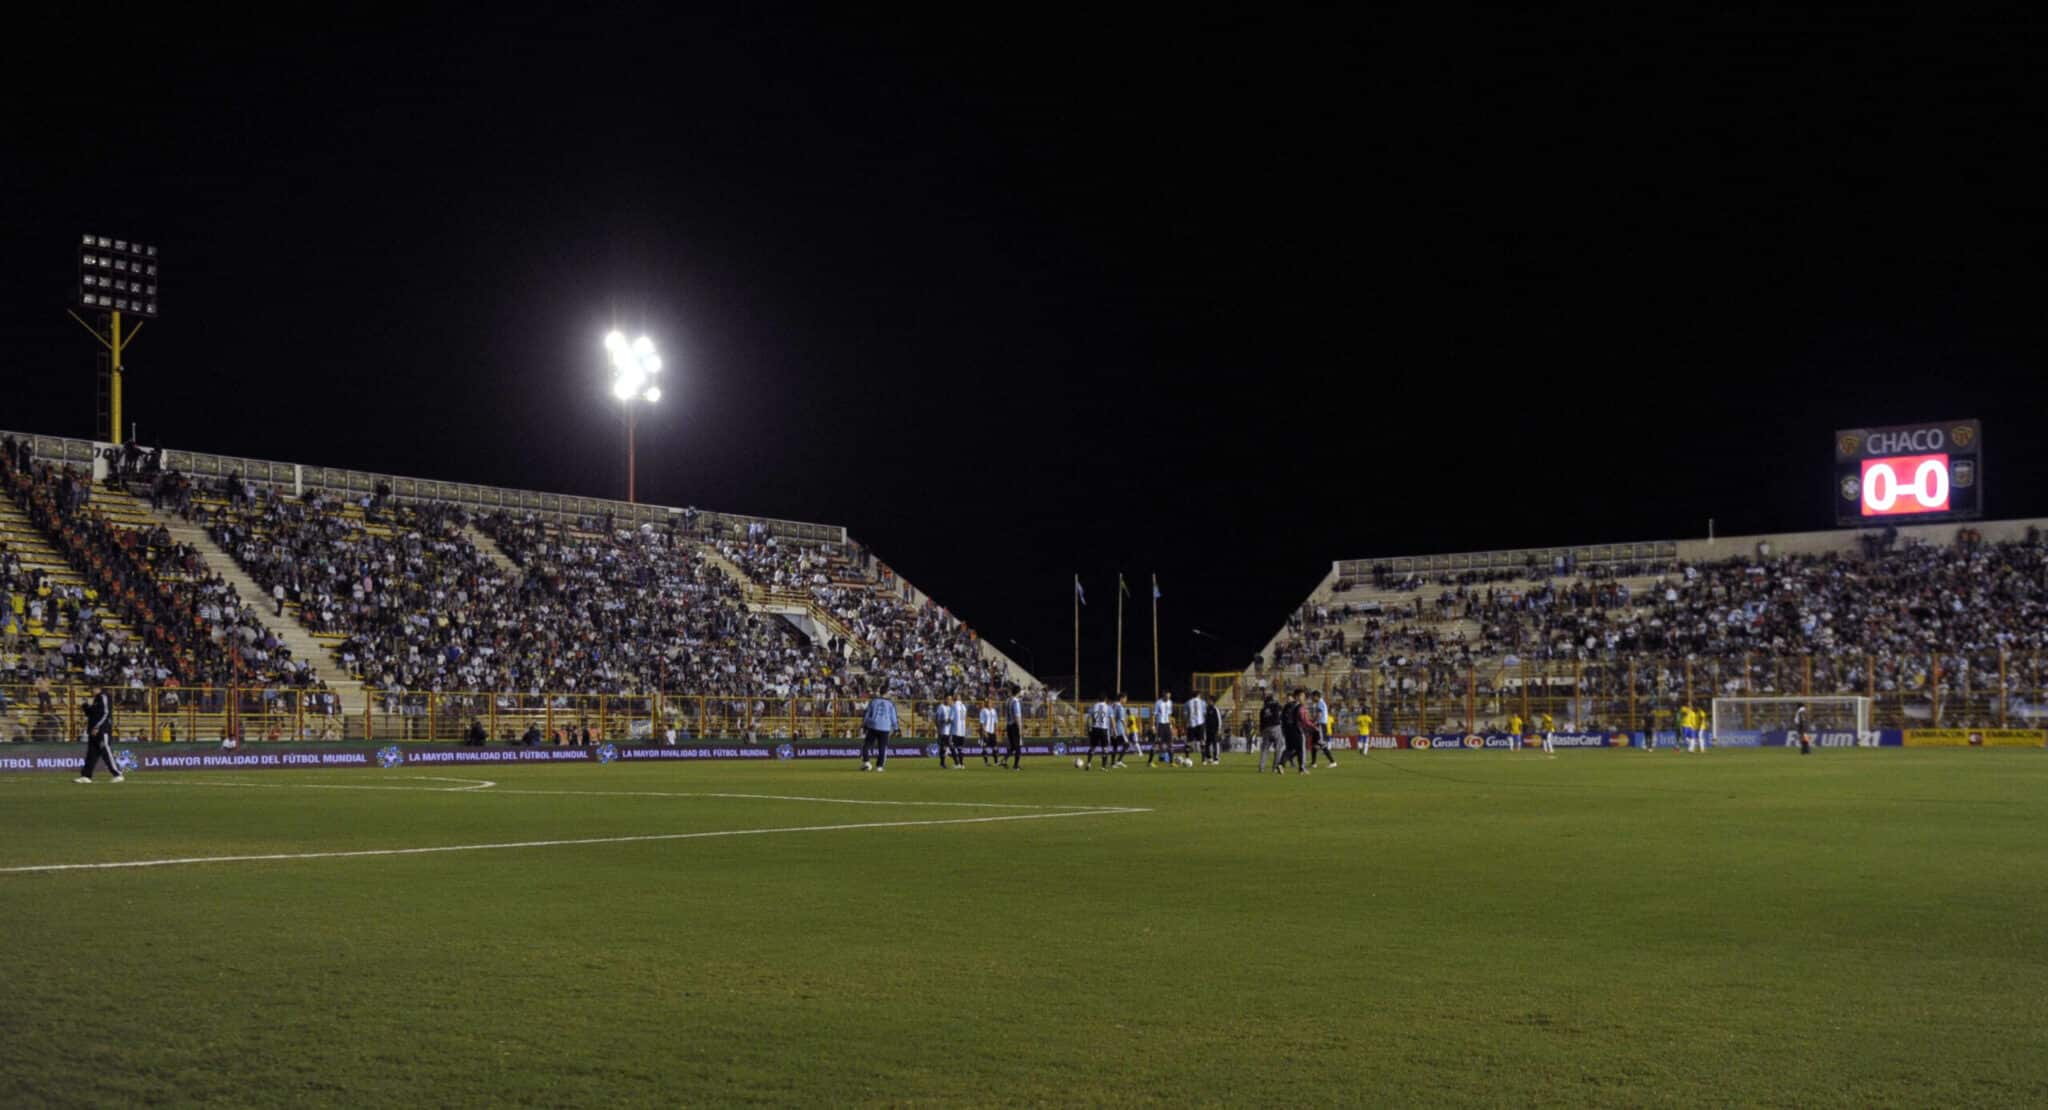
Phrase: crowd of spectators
(192, 628)
(411, 602)
(1887, 617)
(925, 651)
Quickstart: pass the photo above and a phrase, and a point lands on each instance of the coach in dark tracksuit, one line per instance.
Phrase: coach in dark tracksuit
(99, 736)
(1290, 733)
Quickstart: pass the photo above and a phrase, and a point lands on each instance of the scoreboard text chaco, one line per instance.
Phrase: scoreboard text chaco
(1922, 472)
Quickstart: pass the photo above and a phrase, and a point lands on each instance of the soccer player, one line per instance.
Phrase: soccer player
(878, 724)
(988, 733)
(1098, 732)
(1162, 726)
(1799, 726)
(1364, 733)
(1198, 724)
(1119, 732)
(99, 736)
(1269, 732)
(1015, 729)
(1548, 725)
(1515, 730)
(1321, 713)
(959, 732)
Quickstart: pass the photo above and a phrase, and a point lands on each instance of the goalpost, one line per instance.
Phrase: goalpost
(1824, 713)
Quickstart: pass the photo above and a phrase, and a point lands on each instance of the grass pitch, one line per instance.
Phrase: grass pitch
(1603, 928)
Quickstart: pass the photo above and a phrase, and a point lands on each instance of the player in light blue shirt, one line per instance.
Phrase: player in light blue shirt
(878, 724)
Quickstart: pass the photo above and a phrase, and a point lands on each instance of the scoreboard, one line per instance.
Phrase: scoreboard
(1910, 473)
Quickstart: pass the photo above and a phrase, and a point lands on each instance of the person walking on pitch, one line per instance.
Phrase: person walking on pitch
(1270, 733)
(1198, 725)
(878, 724)
(1014, 730)
(988, 733)
(1321, 713)
(1291, 718)
(99, 736)
(1549, 727)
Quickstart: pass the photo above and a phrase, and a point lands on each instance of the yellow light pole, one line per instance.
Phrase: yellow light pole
(117, 276)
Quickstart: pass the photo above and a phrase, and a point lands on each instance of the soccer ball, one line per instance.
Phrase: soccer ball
(1186, 762)
(1080, 764)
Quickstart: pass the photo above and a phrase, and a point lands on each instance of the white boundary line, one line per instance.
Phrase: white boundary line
(643, 839)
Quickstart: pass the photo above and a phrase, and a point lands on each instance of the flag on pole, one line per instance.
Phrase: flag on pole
(1123, 589)
(1080, 594)
(1155, 587)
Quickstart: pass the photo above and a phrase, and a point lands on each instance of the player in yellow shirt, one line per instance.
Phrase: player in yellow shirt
(1364, 733)
(1546, 725)
(1515, 729)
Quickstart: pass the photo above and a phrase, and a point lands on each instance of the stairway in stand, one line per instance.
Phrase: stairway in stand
(798, 603)
(490, 549)
(294, 635)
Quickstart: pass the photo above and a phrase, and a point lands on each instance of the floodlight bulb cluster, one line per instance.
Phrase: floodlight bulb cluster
(634, 365)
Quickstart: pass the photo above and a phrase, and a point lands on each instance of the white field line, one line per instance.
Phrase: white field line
(479, 786)
(642, 839)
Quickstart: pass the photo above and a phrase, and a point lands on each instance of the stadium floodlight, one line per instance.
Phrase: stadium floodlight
(115, 276)
(634, 366)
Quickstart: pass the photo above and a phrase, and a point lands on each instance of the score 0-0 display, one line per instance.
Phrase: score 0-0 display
(1909, 473)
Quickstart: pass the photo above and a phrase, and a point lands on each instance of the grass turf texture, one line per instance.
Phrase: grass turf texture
(1604, 928)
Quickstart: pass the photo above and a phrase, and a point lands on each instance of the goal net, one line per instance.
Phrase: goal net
(1834, 720)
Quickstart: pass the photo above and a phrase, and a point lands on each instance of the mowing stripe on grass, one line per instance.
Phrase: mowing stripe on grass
(642, 839)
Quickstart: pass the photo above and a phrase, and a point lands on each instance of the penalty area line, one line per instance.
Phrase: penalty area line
(639, 839)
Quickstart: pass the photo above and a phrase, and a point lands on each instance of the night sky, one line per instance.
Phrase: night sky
(1222, 297)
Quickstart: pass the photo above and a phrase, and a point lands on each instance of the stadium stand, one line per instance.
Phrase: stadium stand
(340, 595)
(1936, 623)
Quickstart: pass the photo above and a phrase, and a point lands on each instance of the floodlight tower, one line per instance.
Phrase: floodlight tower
(114, 276)
(634, 366)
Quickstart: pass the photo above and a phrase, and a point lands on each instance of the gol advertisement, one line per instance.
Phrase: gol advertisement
(1976, 738)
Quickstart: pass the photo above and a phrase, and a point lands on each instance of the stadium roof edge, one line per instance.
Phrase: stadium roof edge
(341, 480)
(1689, 549)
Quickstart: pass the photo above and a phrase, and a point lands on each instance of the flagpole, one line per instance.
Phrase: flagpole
(1119, 633)
(1155, 636)
(1077, 644)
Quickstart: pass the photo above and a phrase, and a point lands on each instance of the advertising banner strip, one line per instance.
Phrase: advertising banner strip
(292, 756)
(210, 757)
(1976, 738)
